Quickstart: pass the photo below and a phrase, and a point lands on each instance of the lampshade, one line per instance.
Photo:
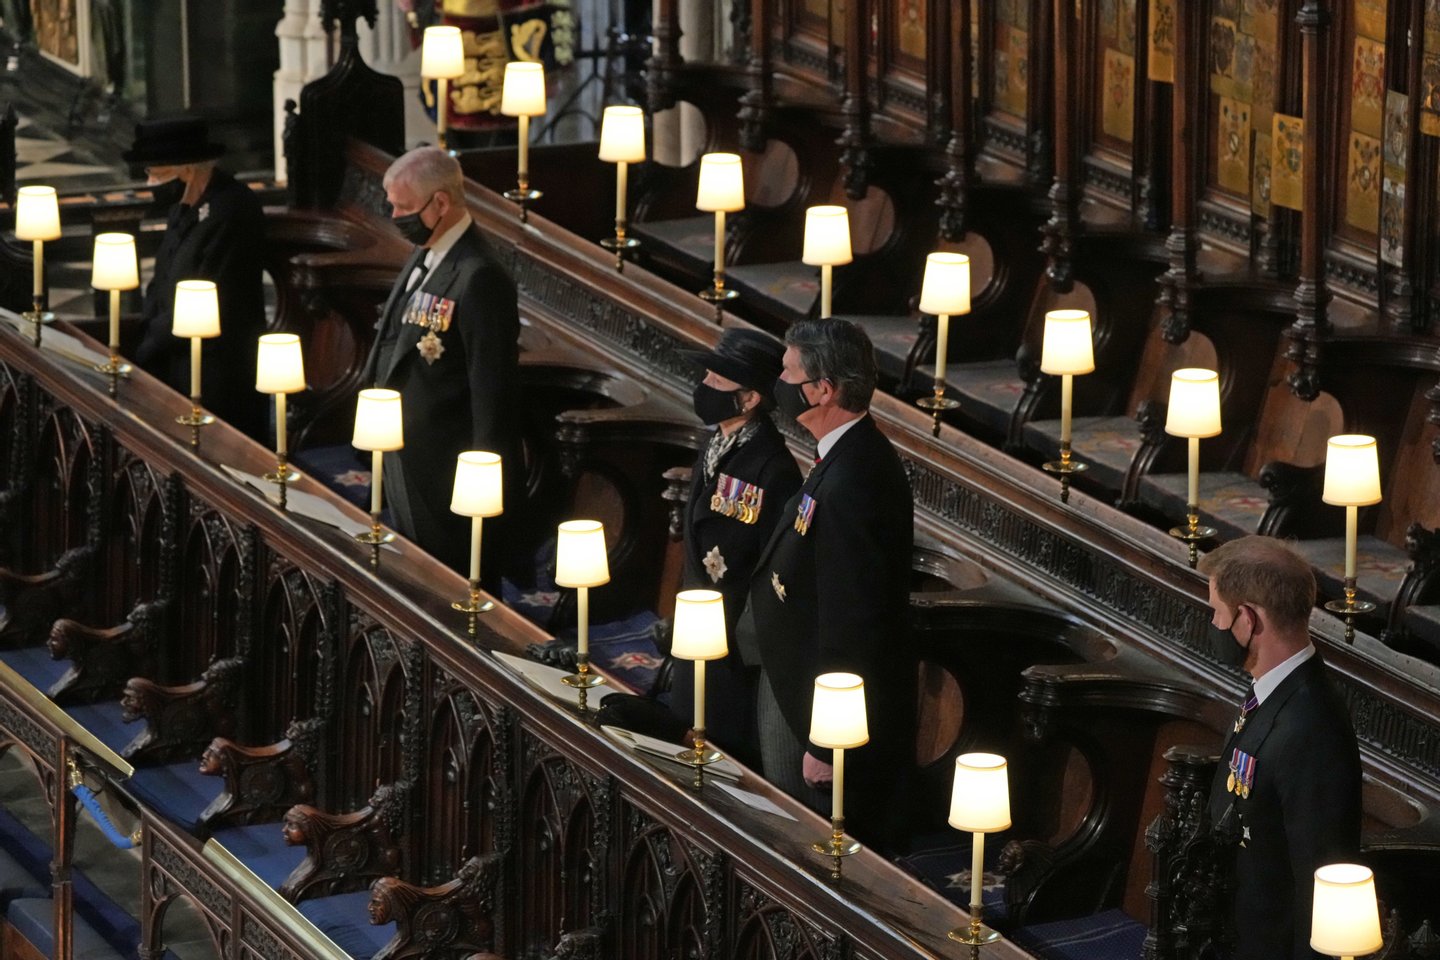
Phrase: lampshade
(1352, 471)
(1194, 409)
(1345, 921)
(722, 183)
(837, 714)
(1067, 347)
(827, 236)
(580, 558)
(37, 214)
(197, 309)
(280, 365)
(523, 94)
(442, 53)
(699, 630)
(479, 486)
(378, 421)
(980, 795)
(115, 266)
(946, 287)
(622, 135)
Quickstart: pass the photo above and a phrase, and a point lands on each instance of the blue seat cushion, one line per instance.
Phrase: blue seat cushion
(345, 919)
(624, 648)
(942, 862)
(103, 916)
(340, 469)
(17, 882)
(177, 790)
(1109, 935)
(263, 849)
(35, 665)
(105, 722)
(34, 919)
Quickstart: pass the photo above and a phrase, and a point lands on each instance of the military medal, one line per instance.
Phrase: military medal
(736, 499)
(1250, 704)
(430, 347)
(777, 586)
(715, 564)
(804, 514)
(1242, 774)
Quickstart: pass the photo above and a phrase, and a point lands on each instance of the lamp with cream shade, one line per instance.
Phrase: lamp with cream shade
(698, 635)
(1194, 413)
(479, 492)
(442, 59)
(280, 371)
(196, 316)
(1344, 916)
(114, 268)
(379, 428)
(827, 246)
(522, 95)
(979, 804)
(945, 292)
(37, 219)
(1352, 481)
(721, 191)
(838, 723)
(622, 142)
(581, 562)
(1066, 351)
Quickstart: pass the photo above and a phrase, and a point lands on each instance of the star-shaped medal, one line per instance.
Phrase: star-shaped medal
(430, 347)
(777, 586)
(715, 564)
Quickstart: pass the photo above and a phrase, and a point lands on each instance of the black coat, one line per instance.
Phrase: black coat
(464, 400)
(765, 462)
(845, 607)
(221, 239)
(1303, 810)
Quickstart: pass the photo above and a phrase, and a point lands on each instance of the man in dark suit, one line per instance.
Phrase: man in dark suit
(447, 339)
(741, 481)
(215, 231)
(831, 589)
(1288, 784)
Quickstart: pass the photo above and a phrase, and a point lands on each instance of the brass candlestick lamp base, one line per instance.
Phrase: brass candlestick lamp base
(718, 294)
(582, 680)
(1349, 608)
(114, 368)
(376, 538)
(975, 935)
(473, 607)
(1065, 468)
(837, 846)
(700, 757)
(621, 244)
(39, 317)
(1192, 533)
(523, 195)
(195, 419)
(937, 404)
(281, 475)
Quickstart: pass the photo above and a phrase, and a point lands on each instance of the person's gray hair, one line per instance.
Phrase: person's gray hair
(427, 171)
(838, 351)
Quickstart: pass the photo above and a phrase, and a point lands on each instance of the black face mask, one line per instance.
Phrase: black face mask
(1228, 648)
(790, 397)
(713, 405)
(167, 194)
(413, 228)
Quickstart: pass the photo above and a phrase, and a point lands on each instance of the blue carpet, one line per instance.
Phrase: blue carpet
(345, 919)
(34, 919)
(1111, 935)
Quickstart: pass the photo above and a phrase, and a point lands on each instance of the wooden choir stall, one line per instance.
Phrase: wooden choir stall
(312, 755)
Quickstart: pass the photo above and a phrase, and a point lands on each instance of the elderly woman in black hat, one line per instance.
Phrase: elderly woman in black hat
(742, 478)
(215, 231)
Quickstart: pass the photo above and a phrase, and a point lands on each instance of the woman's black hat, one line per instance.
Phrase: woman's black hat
(749, 357)
(172, 141)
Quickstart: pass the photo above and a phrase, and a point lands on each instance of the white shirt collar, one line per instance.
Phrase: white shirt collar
(442, 246)
(1264, 686)
(827, 442)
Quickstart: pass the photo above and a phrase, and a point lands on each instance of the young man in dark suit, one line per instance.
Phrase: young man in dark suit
(831, 589)
(215, 231)
(447, 339)
(1288, 784)
(742, 479)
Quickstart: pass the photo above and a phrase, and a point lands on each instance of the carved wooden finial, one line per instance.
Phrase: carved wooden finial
(344, 13)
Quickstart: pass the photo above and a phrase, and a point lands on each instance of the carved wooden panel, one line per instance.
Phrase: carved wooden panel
(374, 705)
(470, 797)
(285, 659)
(214, 576)
(672, 896)
(67, 491)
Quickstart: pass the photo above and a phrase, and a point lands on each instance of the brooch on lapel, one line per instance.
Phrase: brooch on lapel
(203, 213)
(430, 347)
(777, 586)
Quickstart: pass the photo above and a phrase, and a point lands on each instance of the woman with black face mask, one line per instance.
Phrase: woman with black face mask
(742, 478)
